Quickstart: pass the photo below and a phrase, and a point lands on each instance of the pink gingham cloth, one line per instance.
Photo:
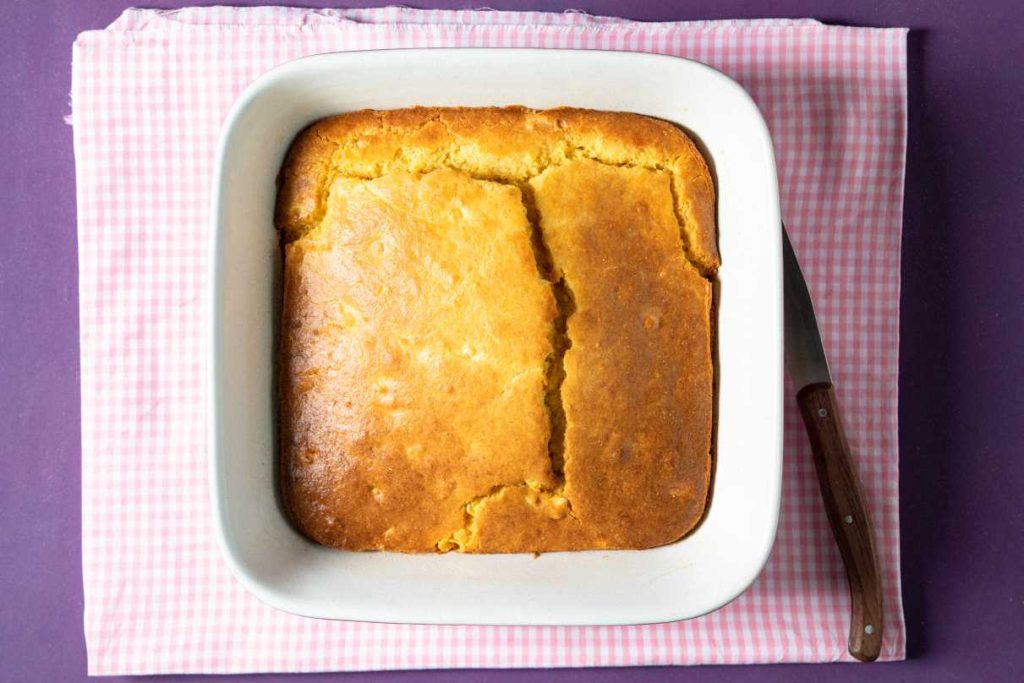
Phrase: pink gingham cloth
(149, 95)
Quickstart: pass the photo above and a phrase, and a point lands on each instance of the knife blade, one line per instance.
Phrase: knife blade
(837, 477)
(805, 356)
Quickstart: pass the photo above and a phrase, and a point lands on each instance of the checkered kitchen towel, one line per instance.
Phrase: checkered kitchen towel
(149, 95)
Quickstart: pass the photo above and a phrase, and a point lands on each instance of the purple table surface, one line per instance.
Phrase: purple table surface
(961, 415)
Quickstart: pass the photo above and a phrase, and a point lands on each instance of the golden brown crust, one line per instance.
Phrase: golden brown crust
(637, 390)
(509, 144)
(423, 405)
(411, 381)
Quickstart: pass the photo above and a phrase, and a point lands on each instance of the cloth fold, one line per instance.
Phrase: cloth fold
(149, 94)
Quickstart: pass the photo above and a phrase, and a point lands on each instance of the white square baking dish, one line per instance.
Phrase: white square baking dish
(696, 575)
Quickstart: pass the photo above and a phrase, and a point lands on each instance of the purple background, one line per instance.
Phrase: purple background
(961, 412)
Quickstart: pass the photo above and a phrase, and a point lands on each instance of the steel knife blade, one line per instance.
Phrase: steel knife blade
(805, 356)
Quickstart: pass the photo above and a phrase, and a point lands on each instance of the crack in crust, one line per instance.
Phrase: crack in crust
(555, 374)
(554, 502)
(551, 138)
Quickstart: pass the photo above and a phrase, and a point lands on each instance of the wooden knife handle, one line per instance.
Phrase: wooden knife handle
(847, 514)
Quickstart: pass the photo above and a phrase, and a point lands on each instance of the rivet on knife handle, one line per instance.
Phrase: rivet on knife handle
(847, 515)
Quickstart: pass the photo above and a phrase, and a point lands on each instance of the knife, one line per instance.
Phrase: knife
(840, 488)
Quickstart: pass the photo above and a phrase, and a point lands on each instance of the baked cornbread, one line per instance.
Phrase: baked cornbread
(496, 330)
